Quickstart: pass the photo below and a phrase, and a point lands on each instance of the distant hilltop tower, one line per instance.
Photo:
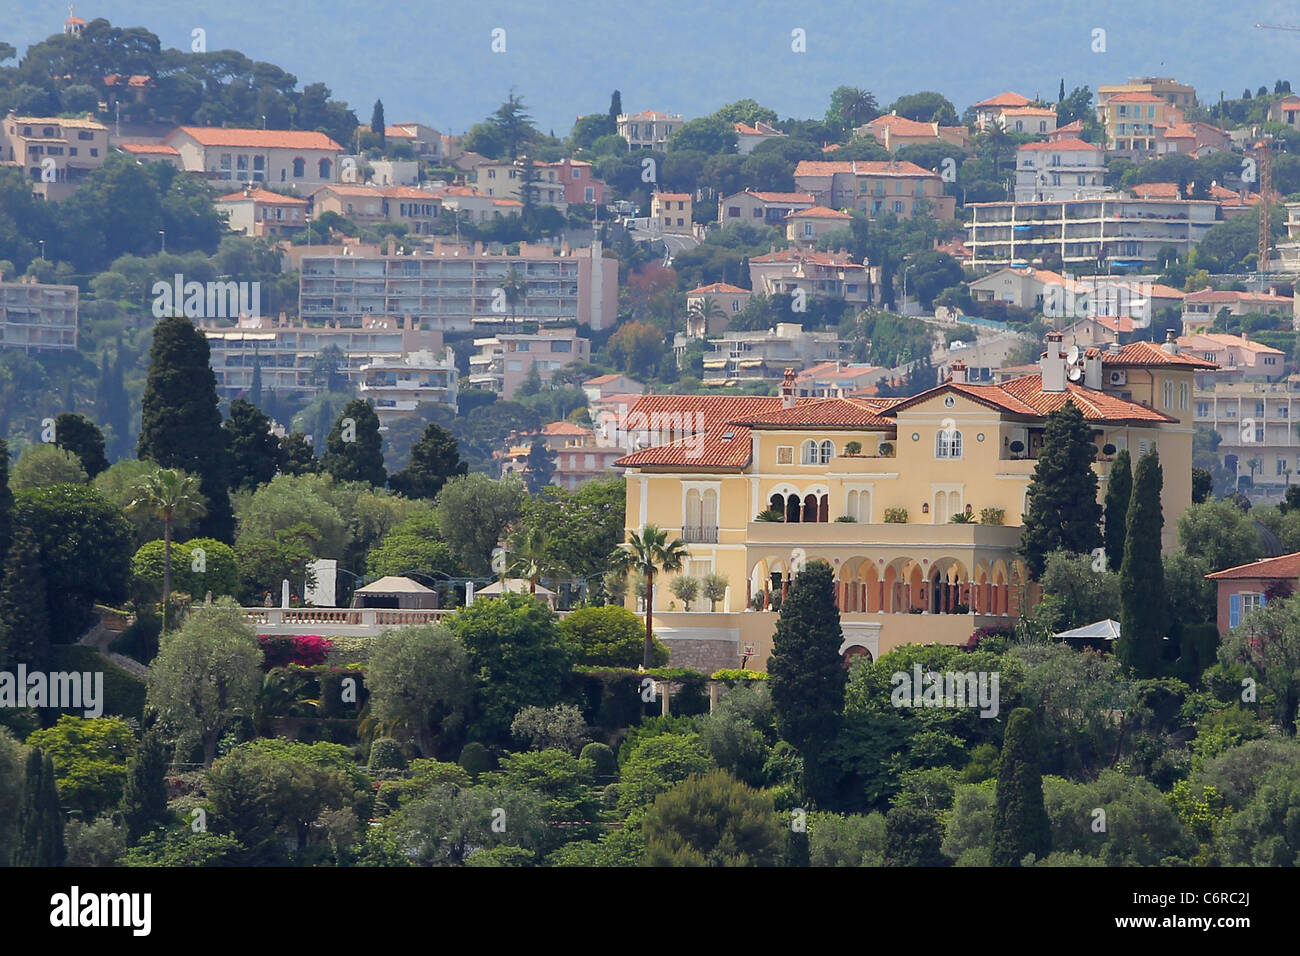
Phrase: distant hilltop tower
(74, 24)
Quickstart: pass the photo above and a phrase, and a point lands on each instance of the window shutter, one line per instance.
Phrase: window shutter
(1234, 610)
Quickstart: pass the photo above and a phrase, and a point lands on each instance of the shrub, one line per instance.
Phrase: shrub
(853, 448)
(730, 676)
(550, 728)
(963, 517)
(604, 766)
(609, 636)
(306, 650)
(886, 449)
(895, 516)
(770, 514)
(685, 589)
(386, 754)
(847, 519)
(992, 515)
(475, 759)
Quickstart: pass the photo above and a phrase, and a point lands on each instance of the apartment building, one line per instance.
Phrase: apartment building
(748, 137)
(830, 275)
(894, 132)
(1130, 120)
(506, 179)
(504, 360)
(904, 571)
(398, 386)
(471, 205)
(988, 112)
(287, 351)
(1059, 170)
(1200, 309)
(459, 288)
(425, 140)
(671, 213)
(739, 357)
(902, 188)
(56, 154)
(1116, 233)
(648, 129)
(577, 454)
(152, 153)
(1167, 89)
(729, 299)
(295, 158)
(760, 208)
(1256, 424)
(262, 213)
(35, 316)
(417, 209)
(837, 379)
(807, 226)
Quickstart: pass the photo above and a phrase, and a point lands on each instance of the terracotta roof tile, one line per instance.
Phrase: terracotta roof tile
(148, 149)
(819, 212)
(717, 288)
(1151, 354)
(260, 138)
(1005, 99)
(263, 196)
(1063, 145)
(822, 413)
(1285, 566)
(816, 167)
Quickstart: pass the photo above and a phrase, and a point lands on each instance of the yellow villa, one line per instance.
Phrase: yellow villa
(872, 487)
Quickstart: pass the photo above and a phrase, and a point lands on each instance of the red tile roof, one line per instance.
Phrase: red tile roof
(1282, 567)
(718, 288)
(902, 126)
(398, 132)
(1227, 295)
(1063, 144)
(1025, 396)
(723, 445)
(407, 192)
(675, 197)
(565, 428)
(838, 260)
(781, 197)
(820, 413)
(818, 167)
(1005, 99)
(1136, 97)
(1150, 354)
(819, 212)
(259, 138)
(263, 196)
(148, 149)
(1028, 111)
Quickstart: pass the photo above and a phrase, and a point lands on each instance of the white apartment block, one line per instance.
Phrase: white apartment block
(1086, 233)
(397, 387)
(36, 316)
(1256, 422)
(504, 360)
(765, 355)
(458, 288)
(648, 129)
(286, 352)
(1054, 171)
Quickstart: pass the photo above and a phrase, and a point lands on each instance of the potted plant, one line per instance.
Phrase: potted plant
(992, 515)
(853, 448)
(886, 449)
(895, 516)
(771, 514)
(847, 518)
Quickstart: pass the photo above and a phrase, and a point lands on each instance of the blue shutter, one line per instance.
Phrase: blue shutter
(1234, 610)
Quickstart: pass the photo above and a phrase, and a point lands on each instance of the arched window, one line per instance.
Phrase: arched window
(947, 444)
(325, 166)
(827, 451)
(299, 167)
(809, 454)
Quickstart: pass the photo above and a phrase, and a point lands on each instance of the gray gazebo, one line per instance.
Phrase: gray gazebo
(394, 592)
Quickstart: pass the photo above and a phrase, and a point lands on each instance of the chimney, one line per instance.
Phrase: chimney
(787, 389)
(1171, 344)
(958, 372)
(1052, 364)
(1092, 368)
(1114, 348)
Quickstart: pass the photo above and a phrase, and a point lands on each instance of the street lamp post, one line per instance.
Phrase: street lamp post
(906, 270)
(162, 236)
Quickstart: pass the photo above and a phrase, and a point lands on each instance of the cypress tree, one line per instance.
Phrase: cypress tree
(377, 124)
(255, 390)
(540, 467)
(1142, 610)
(1063, 512)
(913, 837)
(615, 108)
(1119, 489)
(6, 507)
(180, 423)
(434, 459)
(1020, 822)
(24, 605)
(40, 818)
(354, 448)
(144, 798)
(298, 458)
(78, 434)
(254, 451)
(806, 674)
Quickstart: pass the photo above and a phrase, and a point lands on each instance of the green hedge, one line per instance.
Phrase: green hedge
(610, 697)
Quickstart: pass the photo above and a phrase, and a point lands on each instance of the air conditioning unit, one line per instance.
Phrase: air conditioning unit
(1119, 378)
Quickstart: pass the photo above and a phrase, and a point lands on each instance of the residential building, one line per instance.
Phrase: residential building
(1169, 90)
(477, 207)
(765, 355)
(1238, 359)
(578, 455)
(904, 571)
(459, 288)
(1130, 120)
(394, 172)
(1034, 120)
(1248, 587)
(761, 208)
(902, 188)
(648, 129)
(837, 379)
(284, 157)
(1200, 309)
(988, 111)
(1256, 423)
(1285, 110)
(809, 225)
(425, 140)
(261, 213)
(287, 352)
(615, 383)
(1060, 169)
(1119, 233)
(417, 209)
(505, 179)
(1192, 139)
(580, 183)
(398, 386)
(748, 137)
(152, 153)
(814, 274)
(504, 360)
(729, 299)
(34, 315)
(671, 212)
(56, 154)
(894, 132)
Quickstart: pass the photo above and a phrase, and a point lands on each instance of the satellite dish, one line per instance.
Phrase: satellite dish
(1072, 355)
(1108, 449)
(1075, 374)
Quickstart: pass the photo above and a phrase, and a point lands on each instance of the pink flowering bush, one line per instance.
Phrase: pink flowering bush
(305, 649)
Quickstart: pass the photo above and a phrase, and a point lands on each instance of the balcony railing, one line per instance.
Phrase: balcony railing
(700, 534)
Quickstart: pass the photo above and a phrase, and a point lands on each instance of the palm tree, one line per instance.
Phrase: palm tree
(646, 553)
(532, 560)
(702, 310)
(515, 288)
(168, 493)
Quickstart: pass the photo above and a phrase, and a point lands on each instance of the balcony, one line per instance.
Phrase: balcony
(857, 535)
(700, 534)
